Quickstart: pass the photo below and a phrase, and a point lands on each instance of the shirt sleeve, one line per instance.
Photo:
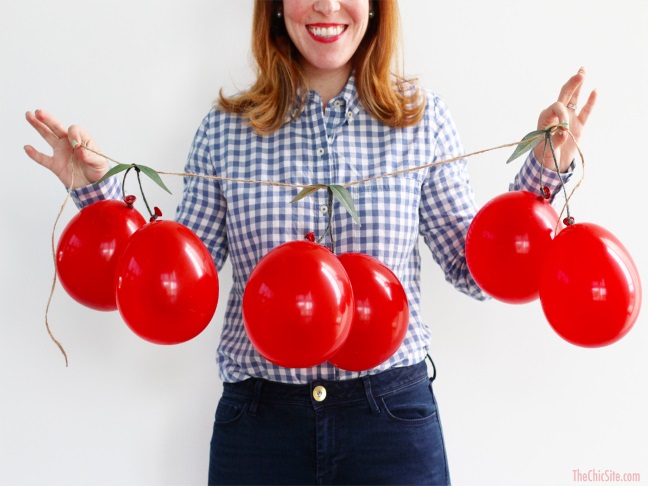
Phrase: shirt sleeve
(108, 189)
(448, 202)
(532, 176)
(203, 207)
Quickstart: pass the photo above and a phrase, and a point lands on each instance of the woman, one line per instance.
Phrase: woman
(326, 109)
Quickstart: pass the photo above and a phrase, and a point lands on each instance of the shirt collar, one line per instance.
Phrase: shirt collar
(348, 95)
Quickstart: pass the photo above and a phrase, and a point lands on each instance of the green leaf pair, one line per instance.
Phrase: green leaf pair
(530, 140)
(339, 192)
(152, 174)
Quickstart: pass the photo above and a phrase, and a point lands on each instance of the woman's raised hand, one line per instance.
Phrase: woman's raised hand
(72, 164)
(565, 110)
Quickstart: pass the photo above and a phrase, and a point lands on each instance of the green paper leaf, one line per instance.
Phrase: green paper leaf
(154, 176)
(528, 142)
(307, 191)
(343, 195)
(115, 170)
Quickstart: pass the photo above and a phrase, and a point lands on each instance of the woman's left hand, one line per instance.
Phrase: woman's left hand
(565, 111)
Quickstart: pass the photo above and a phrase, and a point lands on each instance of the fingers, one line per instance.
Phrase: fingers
(560, 111)
(565, 111)
(38, 157)
(51, 122)
(52, 130)
(569, 95)
(80, 139)
(589, 106)
(571, 89)
(553, 115)
(47, 127)
(78, 136)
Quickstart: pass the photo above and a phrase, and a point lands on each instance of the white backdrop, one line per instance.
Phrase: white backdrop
(518, 404)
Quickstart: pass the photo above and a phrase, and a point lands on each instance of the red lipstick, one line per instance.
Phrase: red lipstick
(326, 32)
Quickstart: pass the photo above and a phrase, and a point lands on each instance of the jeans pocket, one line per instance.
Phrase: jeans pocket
(414, 405)
(230, 409)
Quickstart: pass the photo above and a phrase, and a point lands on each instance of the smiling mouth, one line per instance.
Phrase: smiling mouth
(326, 33)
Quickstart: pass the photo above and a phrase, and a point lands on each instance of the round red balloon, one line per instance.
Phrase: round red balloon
(167, 285)
(298, 305)
(589, 289)
(380, 317)
(88, 249)
(506, 245)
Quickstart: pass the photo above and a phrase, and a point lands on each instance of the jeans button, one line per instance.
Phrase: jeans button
(319, 393)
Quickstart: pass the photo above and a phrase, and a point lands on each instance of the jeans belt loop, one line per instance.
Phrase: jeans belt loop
(370, 398)
(257, 397)
(434, 371)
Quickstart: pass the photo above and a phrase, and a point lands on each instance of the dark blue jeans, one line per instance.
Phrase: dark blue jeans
(382, 429)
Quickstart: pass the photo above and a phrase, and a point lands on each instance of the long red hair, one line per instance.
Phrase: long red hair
(281, 83)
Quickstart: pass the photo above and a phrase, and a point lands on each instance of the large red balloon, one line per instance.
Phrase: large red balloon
(506, 245)
(167, 285)
(87, 251)
(380, 317)
(298, 305)
(590, 289)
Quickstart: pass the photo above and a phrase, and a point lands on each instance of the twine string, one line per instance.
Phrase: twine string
(436, 163)
(54, 279)
(380, 176)
(348, 184)
(577, 185)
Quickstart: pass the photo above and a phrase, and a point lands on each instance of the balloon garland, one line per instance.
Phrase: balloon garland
(591, 299)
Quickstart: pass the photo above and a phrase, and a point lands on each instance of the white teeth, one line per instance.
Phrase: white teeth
(326, 31)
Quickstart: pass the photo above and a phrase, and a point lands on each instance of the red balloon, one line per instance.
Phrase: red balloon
(381, 314)
(167, 285)
(88, 249)
(589, 289)
(506, 244)
(298, 305)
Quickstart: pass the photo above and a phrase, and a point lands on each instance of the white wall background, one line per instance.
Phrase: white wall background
(519, 405)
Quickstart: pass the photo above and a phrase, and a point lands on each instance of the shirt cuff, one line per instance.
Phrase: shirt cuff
(86, 195)
(533, 177)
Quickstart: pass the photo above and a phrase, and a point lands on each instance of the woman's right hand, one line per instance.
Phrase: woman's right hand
(72, 164)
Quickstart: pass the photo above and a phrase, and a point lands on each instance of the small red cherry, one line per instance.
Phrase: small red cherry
(546, 192)
(568, 221)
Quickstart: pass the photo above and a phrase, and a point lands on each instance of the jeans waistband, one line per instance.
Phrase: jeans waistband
(336, 392)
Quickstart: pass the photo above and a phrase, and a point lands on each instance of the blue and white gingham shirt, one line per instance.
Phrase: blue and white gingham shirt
(339, 145)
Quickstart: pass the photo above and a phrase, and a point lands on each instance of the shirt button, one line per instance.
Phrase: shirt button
(320, 151)
(337, 103)
(324, 209)
(319, 393)
(349, 115)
